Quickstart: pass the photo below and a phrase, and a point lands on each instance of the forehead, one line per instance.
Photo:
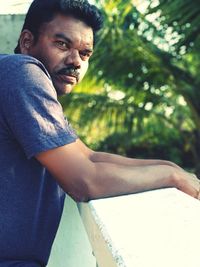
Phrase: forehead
(73, 28)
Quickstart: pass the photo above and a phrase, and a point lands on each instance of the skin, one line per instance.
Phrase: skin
(81, 172)
(63, 43)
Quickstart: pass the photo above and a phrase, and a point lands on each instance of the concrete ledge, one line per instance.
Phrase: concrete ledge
(150, 229)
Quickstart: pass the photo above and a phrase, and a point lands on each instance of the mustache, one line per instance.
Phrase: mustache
(71, 71)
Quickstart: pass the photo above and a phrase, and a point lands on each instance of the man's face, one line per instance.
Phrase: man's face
(64, 47)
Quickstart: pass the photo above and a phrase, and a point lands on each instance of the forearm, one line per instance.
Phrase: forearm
(120, 160)
(116, 159)
(85, 177)
(112, 180)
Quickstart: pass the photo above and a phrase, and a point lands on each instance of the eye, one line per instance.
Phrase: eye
(61, 44)
(85, 55)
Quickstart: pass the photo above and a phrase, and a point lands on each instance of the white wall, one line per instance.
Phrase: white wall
(71, 247)
(10, 28)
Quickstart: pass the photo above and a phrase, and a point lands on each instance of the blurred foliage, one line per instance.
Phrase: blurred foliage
(182, 16)
(141, 95)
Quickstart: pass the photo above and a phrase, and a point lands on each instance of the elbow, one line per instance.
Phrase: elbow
(80, 193)
(87, 195)
(80, 196)
(85, 187)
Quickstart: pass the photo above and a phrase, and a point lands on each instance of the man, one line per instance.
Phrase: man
(41, 156)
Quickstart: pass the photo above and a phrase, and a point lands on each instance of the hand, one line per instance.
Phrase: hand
(188, 183)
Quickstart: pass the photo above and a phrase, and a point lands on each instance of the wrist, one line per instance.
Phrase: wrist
(175, 179)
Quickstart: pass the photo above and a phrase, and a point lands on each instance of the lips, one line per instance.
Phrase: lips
(69, 79)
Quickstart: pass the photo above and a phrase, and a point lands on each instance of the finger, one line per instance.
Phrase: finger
(198, 194)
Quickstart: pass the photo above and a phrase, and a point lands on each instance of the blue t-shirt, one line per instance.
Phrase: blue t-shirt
(31, 201)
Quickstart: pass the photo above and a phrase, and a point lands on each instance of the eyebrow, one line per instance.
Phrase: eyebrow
(62, 36)
(68, 40)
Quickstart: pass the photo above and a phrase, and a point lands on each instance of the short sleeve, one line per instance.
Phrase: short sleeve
(31, 109)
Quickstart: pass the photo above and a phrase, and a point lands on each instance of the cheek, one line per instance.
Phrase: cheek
(51, 64)
(84, 69)
(49, 58)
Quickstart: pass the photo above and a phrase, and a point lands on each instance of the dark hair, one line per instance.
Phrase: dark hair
(43, 11)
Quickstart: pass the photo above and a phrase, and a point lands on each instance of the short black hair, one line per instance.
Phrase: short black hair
(43, 11)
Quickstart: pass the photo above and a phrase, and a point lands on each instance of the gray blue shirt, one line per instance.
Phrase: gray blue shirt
(31, 201)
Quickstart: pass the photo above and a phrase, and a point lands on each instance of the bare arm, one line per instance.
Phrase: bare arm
(117, 159)
(84, 179)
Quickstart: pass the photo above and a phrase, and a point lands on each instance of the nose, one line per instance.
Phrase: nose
(73, 59)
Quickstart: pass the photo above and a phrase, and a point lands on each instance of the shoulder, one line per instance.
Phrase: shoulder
(19, 62)
(19, 72)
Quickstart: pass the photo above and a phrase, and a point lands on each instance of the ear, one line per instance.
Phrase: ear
(26, 41)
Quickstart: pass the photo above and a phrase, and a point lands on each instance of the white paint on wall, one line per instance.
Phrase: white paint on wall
(10, 26)
(14, 6)
(71, 247)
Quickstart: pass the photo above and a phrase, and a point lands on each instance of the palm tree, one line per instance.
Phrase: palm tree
(183, 16)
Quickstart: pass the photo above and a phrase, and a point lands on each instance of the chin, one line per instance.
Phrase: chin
(68, 89)
(64, 90)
